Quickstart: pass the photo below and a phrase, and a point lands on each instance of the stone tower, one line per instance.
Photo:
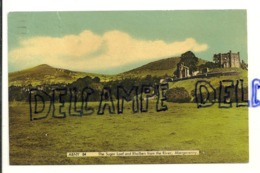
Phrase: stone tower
(225, 60)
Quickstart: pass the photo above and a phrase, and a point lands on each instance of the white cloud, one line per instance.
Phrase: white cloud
(91, 52)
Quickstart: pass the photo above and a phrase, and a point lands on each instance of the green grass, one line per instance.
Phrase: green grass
(221, 135)
(189, 84)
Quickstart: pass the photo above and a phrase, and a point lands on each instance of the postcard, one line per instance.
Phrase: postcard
(128, 87)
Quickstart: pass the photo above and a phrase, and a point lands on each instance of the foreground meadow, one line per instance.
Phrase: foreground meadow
(221, 135)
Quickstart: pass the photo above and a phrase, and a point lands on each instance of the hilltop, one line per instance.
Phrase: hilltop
(47, 74)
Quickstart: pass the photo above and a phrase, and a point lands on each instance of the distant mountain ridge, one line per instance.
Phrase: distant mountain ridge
(47, 74)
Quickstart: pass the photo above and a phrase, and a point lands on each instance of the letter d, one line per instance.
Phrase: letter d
(205, 94)
(38, 111)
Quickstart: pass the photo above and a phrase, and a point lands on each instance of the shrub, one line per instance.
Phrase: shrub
(178, 94)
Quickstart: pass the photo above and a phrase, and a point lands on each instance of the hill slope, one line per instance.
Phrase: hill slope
(46, 74)
(159, 68)
(189, 84)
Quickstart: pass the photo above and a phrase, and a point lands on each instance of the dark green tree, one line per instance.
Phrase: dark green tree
(190, 60)
(96, 79)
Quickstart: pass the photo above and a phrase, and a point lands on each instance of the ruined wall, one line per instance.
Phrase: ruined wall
(229, 59)
(235, 60)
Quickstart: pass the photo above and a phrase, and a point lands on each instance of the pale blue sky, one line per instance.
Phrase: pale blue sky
(221, 30)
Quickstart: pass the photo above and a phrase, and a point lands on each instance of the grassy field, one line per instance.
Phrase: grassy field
(221, 135)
